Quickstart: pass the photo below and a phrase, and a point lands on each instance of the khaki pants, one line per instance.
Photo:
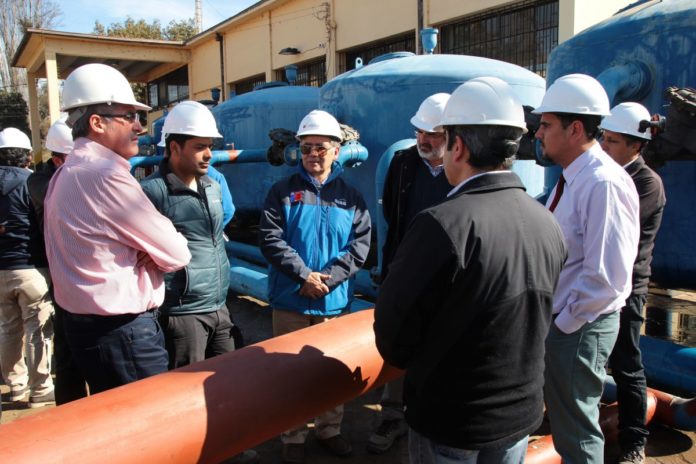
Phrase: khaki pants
(25, 322)
(327, 424)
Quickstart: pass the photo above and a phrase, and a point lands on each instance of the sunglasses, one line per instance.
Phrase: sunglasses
(320, 150)
(131, 117)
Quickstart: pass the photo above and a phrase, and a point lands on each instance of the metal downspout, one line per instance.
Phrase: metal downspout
(221, 39)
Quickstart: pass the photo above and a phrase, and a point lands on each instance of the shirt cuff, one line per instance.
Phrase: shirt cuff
(566, 323)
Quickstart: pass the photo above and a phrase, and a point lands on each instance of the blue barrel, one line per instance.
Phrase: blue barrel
(636, 55)
(245, 121)
(379, 100)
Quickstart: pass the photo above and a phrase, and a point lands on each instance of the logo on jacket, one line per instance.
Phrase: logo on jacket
(340, 202)
(296, 196)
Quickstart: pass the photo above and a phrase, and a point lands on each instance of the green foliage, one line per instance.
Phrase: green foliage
(13, 111)
(141, 29)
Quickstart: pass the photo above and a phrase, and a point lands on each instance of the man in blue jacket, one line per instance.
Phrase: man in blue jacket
(25, 304)
(194, 317)
(315, 233)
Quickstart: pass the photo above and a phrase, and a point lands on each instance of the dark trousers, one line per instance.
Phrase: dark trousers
(627, 368)
(69, 383)
(190, 338)
(115, 350)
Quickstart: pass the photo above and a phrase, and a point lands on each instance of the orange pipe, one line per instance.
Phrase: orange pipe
(210, 410)
(541, 451)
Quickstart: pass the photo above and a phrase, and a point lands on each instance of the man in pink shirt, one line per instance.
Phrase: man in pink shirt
(107, 246)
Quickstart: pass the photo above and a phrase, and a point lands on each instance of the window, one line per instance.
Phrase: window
(168, 89)
(312, 73)
(403, 43)
(523, 33)
(247, 85)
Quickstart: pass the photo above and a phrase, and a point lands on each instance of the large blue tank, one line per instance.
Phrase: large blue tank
(636, 55)
(245, 122)
(379, 100)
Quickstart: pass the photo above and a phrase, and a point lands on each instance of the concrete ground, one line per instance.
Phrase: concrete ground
(665, 446)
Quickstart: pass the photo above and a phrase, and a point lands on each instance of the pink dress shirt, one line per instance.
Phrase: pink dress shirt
(98, 222)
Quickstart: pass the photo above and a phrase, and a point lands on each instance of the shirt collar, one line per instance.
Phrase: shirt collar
(434, 171)
(96, 150)
(574, 168)
(461, 184)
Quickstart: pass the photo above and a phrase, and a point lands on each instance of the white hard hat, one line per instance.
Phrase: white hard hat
(320, 122)
(59, 138)
(625, 119)
(96, 83)
(190, 118)
(14, 138)
(485, 101)
(430, 112)
(576, 94)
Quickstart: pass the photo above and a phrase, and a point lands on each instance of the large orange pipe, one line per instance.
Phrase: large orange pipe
(541, 451)
(211, 410)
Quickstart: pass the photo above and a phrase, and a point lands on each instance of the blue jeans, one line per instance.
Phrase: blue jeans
(422, 450)
(115, 350)
(574, 377)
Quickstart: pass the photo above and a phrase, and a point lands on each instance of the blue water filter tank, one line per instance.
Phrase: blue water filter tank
(636, 54)
(379, 100)
(245, 121)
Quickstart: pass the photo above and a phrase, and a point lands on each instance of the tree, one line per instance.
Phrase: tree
(16, 16)
(141, 29)
(13, 111)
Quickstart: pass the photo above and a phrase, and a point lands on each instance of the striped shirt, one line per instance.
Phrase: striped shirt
(98, 223)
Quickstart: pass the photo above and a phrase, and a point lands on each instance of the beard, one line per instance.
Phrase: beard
(431, 154)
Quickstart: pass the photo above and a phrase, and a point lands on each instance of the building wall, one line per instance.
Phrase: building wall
(247, 48)
(363, 21)
(253, 41)
(577, 15)
(204, 69)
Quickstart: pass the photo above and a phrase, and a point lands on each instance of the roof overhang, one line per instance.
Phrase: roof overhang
(137, 59)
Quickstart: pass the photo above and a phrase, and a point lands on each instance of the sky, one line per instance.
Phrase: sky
(80, 15)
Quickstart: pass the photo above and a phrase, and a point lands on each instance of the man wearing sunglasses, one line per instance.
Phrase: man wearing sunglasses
(107, 246)
(315, 234)
(415, 181)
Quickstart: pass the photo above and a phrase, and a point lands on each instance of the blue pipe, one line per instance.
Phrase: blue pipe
(251, 255)
(630, 81)
(350, 155)
(249, 279)
(219, 157)
(669, 364)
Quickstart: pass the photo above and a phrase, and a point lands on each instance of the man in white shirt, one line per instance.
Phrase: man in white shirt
(596, 205)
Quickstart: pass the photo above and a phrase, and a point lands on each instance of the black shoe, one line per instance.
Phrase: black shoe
(633, 456)
(293, 453)
(386, 434)
(337, 445)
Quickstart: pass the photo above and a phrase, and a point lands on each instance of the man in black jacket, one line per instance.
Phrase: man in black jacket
(624, 142)
(25, 305)
(467, 303)
(415, 181)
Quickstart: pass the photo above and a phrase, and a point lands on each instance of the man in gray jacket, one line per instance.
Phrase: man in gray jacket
(194, 317)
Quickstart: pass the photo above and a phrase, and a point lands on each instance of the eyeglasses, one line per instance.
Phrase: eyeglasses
(320, 150)
(131, 117)
(433, 135)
